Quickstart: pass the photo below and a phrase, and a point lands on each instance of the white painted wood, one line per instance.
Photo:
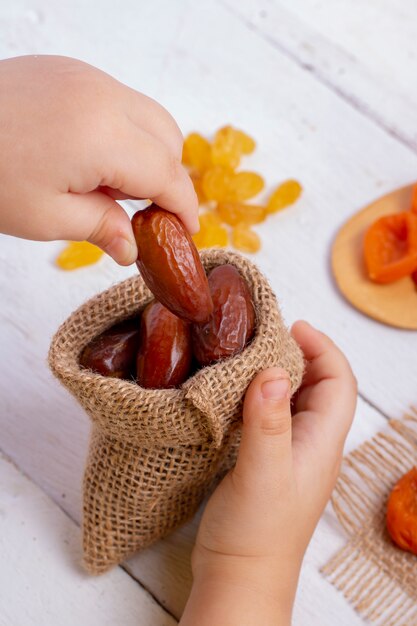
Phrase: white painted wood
(165, 567)
(208, 67)
(131, 41)
(322, 144)
(343, 160)
(40, 578)
(365, 51)
(326, 144)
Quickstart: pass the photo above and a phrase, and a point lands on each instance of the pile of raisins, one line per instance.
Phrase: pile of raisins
(194, 321)
(223, 192)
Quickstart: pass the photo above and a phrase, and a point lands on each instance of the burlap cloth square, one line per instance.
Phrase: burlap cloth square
(155, 454)
(377, 578)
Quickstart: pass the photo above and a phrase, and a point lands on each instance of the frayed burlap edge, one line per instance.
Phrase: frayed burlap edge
(376, 577)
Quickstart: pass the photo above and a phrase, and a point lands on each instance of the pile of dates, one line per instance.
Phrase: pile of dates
(195, 320)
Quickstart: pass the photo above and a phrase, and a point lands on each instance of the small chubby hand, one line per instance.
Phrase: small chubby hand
(260, 519)
(73, 140)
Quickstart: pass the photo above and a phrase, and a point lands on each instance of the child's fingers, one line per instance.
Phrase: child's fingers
(265, 449)
(148, 114)
(326, 402)
(141, 166)
(325, 359)
(328, 373)
(99, 219)
(116, 194)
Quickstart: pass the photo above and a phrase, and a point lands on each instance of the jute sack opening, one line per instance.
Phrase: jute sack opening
(155, 454)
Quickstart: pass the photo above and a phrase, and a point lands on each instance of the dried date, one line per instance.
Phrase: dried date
(170, 264)
(164, 356)
(232, 323)
(113, 353)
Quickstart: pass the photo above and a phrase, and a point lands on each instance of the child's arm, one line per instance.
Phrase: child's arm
(73, 139)
(259, 521)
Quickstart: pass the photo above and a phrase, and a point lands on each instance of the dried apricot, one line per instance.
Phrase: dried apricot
(211, 232)
(232, 322)
(196, 152)
(287, 193)
(78, 254)
(113, 353)
(164, 356)
(402, 512)
(390, 247)
(245, 239)
(414, 199)
(234, 213)
(170, 264)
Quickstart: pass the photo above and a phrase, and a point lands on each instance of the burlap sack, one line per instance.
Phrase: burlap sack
(155, 454)
(376, 577)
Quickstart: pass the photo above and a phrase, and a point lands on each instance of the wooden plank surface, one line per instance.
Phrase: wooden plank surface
(363, 51)
(322, 144)
(40, 578)
(211, 63)
(304, 130)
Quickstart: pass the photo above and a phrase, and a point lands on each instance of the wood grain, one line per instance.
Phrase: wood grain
(324, 109)
(40, 578)
(394, 304)
(363, 51)
(304, 131)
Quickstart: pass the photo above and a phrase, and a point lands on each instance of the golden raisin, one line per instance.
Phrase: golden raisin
(287, 193)
(216, 182)
(196, 152)
(211, 233)
(247, 144)
(245, 239)
(78, 254)
(234, 213)
(244, 185)
(224, 185)
(226, 149)
(229, 144)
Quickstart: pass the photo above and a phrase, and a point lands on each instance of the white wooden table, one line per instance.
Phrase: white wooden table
(328, 89)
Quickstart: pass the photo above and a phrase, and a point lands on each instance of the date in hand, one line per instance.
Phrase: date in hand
(170, 264)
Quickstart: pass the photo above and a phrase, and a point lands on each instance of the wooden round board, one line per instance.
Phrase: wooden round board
(394, 304)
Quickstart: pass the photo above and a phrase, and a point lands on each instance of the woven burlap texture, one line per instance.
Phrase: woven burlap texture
(155, 454)
(376, 577)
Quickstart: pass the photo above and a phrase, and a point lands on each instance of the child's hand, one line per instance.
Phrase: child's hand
(73, 139)
(259, 521)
